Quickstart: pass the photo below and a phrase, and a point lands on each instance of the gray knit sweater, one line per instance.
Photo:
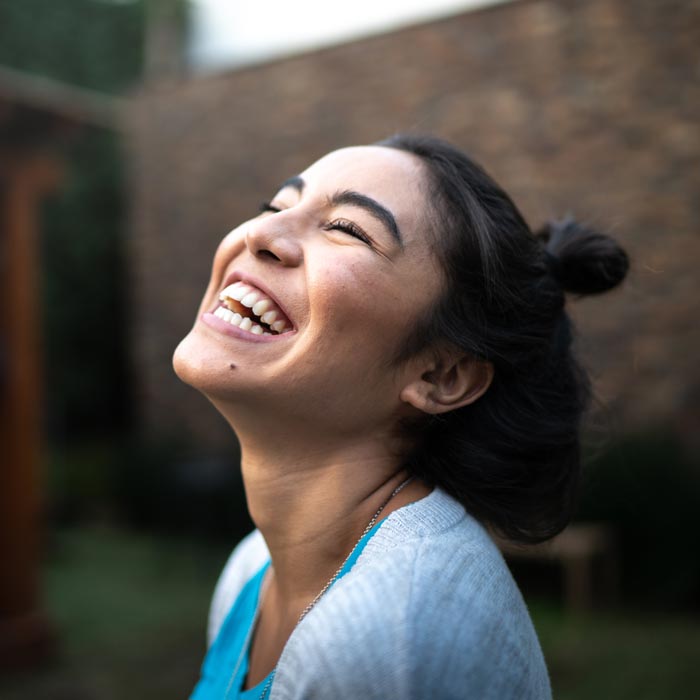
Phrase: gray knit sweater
(429, 610)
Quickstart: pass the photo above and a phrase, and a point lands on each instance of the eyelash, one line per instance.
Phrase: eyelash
(267, 206)
(350, 228)
(343, 225)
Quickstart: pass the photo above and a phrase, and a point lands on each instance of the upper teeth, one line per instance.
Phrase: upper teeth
(261, 305)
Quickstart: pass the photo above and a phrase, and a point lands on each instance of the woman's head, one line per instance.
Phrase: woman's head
(411, 295)
(341, 249)
(513, 456)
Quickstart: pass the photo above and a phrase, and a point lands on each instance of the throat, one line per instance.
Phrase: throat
(269, 639)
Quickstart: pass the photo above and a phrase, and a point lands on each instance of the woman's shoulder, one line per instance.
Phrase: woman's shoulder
(456, 567)
(441, 549)
(429, 610)
(245, 561)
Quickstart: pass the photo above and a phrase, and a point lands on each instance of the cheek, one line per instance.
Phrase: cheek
(354, 303)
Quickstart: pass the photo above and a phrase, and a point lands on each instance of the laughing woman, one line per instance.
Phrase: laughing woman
(389, 342)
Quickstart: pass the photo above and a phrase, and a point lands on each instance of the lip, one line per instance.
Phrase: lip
(227, 329)
(215, 322)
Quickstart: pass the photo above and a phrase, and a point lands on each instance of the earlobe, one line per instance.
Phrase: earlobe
(449, 387)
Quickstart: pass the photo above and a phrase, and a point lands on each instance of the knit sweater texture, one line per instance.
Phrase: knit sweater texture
(429, 610)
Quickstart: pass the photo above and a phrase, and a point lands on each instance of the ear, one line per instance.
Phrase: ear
(449, 385)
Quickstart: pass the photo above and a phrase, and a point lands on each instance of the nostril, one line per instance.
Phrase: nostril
(273, 245)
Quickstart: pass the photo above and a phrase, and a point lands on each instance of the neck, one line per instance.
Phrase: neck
(312, 500)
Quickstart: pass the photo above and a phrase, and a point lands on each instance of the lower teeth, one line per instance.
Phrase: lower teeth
(244, 323)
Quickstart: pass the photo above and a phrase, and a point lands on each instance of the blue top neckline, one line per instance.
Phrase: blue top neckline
(254, 692)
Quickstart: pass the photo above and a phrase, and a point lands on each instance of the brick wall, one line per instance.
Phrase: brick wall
(583, 107)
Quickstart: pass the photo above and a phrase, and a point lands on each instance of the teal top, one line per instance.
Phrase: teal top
(429, 610)
(216, 681)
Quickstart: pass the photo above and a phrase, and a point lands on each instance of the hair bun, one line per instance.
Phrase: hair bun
(582, 260)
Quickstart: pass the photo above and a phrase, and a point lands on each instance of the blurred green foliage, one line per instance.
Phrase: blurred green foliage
(163, 486)
(648, 488)
(152, 485)
(627, 654)
(83, 302)
(130, 612)
(94, 44)
(98, 45)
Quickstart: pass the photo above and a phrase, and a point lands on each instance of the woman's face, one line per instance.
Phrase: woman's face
(333, 277)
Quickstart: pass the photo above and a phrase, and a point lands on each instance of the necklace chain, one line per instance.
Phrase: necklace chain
(309, 607)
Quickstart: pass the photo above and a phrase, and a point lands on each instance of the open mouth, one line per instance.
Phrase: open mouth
(250, 309)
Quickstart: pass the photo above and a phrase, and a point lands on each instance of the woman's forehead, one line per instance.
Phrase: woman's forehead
(391, 177)
(369, 166)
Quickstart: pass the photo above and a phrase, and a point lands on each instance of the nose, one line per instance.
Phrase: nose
(268, 238)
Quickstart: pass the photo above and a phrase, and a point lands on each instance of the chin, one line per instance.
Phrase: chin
(181, 361)
(199, 364)
(190, 362)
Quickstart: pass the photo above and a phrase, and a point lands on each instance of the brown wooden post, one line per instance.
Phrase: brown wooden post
(24, 631)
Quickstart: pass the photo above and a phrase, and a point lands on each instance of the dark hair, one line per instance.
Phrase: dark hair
(512, 457)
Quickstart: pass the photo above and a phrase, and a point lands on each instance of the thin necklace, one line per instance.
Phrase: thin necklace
(308, 608)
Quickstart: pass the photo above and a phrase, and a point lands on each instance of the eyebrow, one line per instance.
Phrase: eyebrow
(295, 182)
(378, 211)
(371, 206)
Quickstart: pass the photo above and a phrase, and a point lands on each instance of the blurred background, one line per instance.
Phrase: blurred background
(135, 133)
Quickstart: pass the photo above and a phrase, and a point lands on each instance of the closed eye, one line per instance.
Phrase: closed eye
(344, 225)
(268, 206)
(350, 228)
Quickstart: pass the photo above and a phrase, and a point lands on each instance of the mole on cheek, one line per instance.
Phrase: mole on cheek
(232, 366)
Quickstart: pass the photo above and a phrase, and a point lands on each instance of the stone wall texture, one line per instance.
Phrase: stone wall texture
(589, 108)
